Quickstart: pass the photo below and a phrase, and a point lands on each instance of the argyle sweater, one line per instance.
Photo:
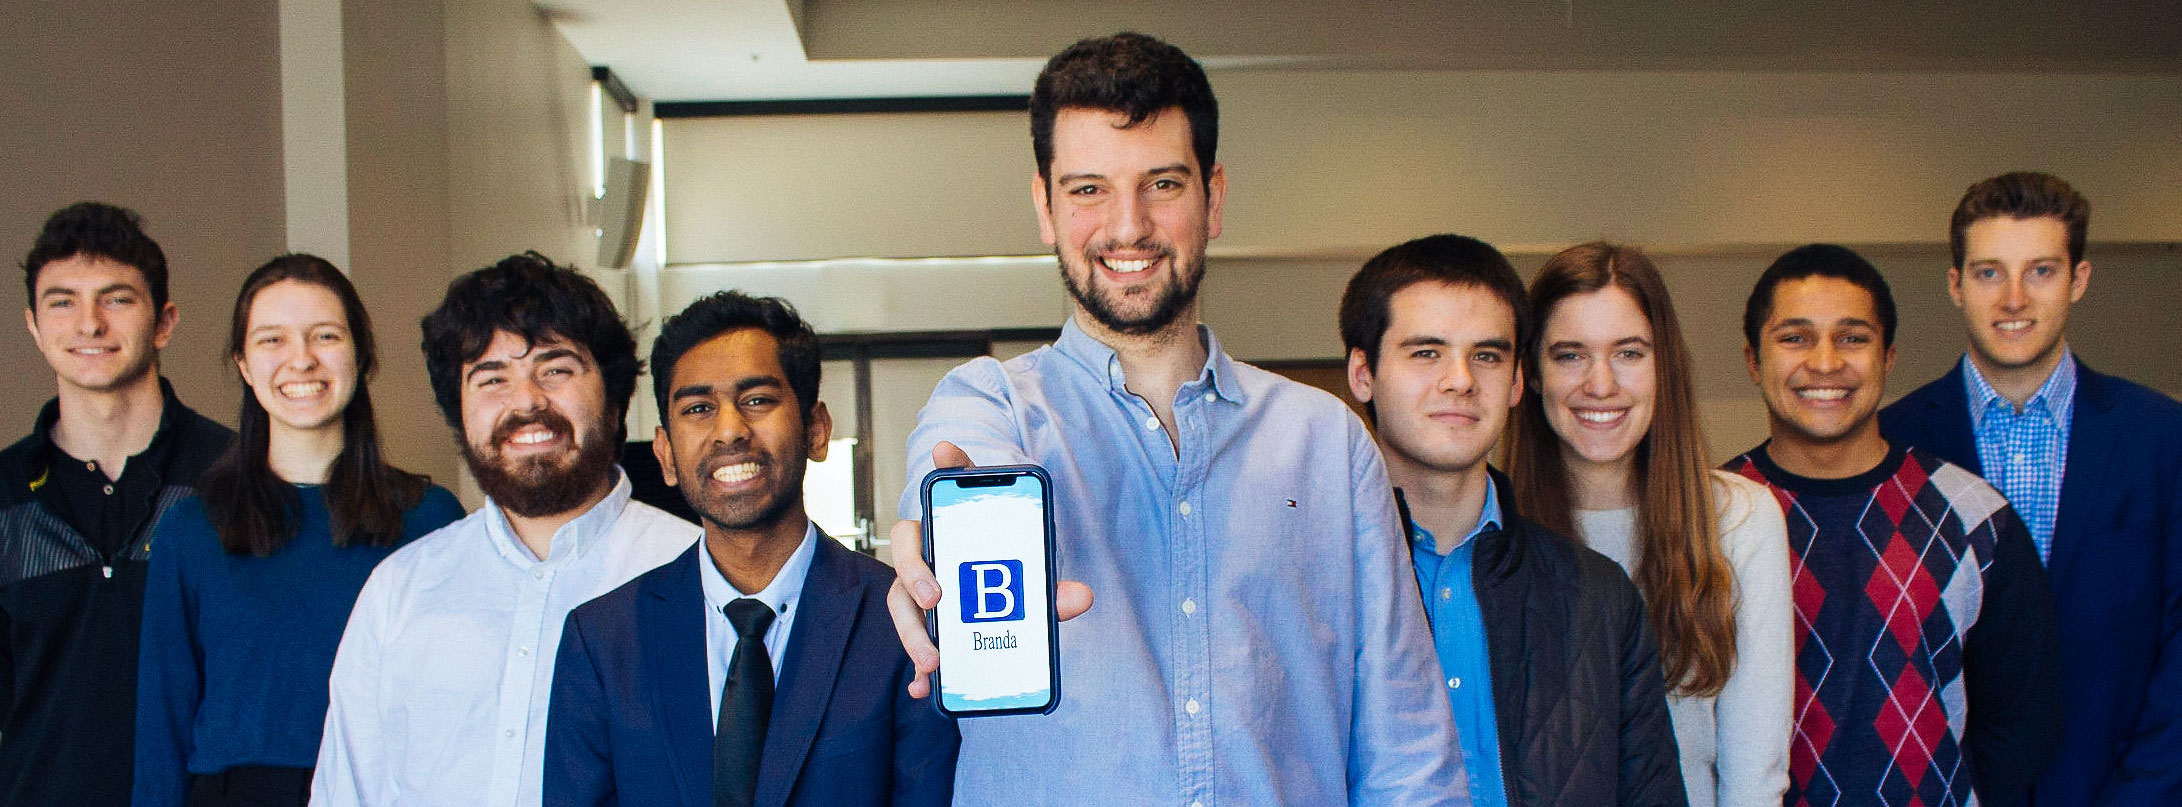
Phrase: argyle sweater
(1926, 672)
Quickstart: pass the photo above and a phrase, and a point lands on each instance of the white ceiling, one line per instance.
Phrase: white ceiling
(689, 50)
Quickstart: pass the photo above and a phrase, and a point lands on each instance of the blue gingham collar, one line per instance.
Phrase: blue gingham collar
(2058, 394)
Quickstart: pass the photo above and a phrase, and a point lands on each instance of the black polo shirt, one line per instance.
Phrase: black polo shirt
(105, 510)
(72, 560)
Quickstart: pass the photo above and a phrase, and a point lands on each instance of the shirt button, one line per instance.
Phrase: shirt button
(522, 651)
(1191, 706)
(109, 490)
(1189, 606)
(538, 573)
(1151, 423)
(1454, 683)
(509, 734)
(90, 466)
(1209, 396)
(1447, 593)
(1182, 508)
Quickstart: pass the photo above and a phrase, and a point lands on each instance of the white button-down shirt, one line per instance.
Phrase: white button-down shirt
(780, 595)
(440, 687)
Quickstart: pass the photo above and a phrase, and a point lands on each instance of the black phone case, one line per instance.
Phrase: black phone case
(1053, 622)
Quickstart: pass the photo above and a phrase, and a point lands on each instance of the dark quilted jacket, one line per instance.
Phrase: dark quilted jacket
(1577, 691)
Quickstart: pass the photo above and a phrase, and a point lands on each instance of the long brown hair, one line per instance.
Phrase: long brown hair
(1688, 587)
(253, 509)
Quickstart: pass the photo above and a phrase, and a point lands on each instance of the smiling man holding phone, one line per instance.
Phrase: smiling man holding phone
(1258, 638)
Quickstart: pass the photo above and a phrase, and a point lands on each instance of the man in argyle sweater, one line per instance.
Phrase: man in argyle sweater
(1926, 661)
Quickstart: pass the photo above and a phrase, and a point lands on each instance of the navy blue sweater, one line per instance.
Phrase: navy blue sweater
(236, 649)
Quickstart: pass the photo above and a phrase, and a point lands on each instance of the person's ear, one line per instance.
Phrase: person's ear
(663, 451)
(1359, 376)
(1750, 363)
(163, 330)
(1041, 202)
(2079, 281)
(1954, 285)
(819, 432)
(1215, 199)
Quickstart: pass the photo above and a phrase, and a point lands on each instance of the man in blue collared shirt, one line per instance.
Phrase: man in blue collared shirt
(2092, 463)
(1547, 657)
(1258, 639)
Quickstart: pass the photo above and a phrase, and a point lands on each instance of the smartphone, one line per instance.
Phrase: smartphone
(988, 537)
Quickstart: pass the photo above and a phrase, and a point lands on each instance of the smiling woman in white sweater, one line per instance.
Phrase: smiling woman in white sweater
(1606, 448)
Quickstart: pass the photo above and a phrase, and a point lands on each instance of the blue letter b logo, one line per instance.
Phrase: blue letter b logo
(992, 591)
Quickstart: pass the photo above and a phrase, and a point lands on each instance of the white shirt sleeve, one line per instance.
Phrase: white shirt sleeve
(352, 766)
(1754, 713)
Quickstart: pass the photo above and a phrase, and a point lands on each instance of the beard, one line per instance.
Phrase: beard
(756, 510)
(541, 486)
(1169, 300)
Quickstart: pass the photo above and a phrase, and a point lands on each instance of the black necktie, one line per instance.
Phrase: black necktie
(746, 703)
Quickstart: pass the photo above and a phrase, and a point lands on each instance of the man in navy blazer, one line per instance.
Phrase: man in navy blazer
(638, 687)
(2092, 462)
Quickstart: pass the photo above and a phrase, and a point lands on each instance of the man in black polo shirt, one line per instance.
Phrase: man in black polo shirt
(78, 499)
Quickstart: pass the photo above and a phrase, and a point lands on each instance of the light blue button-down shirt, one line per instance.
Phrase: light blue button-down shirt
(2025, 453)
(1458, 632)
(1257, 638)
(781, 594)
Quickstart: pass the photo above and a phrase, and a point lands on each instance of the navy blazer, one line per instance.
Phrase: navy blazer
(631, 719)
(2116, 572)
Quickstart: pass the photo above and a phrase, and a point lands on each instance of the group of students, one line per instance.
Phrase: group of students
(1290, 608)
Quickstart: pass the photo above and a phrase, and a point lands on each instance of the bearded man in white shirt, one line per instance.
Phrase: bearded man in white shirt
(440, 688)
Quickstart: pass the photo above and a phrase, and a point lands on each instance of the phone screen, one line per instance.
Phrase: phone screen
(988, 540)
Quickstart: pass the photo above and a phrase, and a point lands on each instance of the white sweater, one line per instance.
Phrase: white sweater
(1735, 746)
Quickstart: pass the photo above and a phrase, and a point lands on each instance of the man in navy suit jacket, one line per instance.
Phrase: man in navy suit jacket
(2091, 461)
(638, 684)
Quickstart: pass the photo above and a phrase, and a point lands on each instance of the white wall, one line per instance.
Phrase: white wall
(171, 109)
(1352, 161)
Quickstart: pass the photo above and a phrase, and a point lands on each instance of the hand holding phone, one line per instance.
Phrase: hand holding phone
(989, 539)
(915, 591)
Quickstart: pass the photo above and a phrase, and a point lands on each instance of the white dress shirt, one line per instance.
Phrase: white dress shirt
(780, 595)
(440, 688)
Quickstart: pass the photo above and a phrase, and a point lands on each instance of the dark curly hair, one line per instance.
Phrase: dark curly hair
(531, 297)
(725, 311)
(1819, 260)
(97, 230)
(1129, 73)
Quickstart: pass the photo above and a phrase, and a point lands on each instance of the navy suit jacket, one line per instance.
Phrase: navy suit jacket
(631, 720)
(2116, 572)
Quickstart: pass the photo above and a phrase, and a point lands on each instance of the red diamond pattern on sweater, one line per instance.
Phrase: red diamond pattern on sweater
(1814, 731)
(1903, 590)
(1912, 725)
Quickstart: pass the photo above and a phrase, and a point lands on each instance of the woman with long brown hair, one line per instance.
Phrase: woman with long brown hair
(253, 579)
(1606, 447)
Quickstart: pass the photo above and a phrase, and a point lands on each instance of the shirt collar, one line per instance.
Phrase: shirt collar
(1487, 519)
(779, 595)
(573, 539)
(1100, 360)
(42, 449)
(2058, 394)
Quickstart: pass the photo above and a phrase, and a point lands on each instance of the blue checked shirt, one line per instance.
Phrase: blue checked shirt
(1458, 632)
(1257, 638)
(2025, 453)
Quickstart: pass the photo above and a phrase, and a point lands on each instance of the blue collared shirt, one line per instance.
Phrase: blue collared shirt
(2025, 453)
(1458, 632)
(1257, 637)
(780, 594)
